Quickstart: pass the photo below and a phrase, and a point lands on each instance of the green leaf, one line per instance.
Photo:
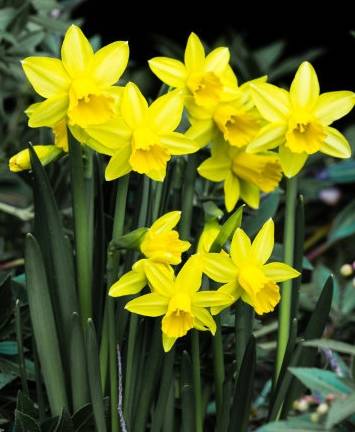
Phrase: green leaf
(6, 378)
(44, 327)
(25, 423)
(132, 240)
(241, 405)
(343, 225)
(331, 344)
(83, 418)
(321, 381)
(297, 424)
(269, 54)
(25, 405)
(6, 16)
(348, 301)
(227, 230)
(8, 348)
(341, 172)
(340, 410)
(65, 423)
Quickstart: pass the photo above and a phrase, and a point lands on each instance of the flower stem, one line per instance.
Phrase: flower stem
(218, 363)
(195, 348)
(244, 316)
(286, 291)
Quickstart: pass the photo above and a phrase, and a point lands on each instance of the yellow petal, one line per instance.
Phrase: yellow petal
(233, 289)
(265, 300)
(49, 112)
(250, 194)
(22, 161)
(168, 342)
(134, 105)
(217, 60)
(219, 267)
(151, 305)
(60, 132)
(166, 222)
(130, 283)
(271, 101)
(77, 53)
(240, 247)
(178, 144)
(201, 132)
(280, 272)
(160, 277)
(118, 165)
(194, 54)
(291, 163)
(215, 168)
(269, 137)
(211, 298)
(197, 112)
(189, 278)
(231, 191)
(172, 72)
(165, 113)
(336, 144)
(80, 135)
(203, 320)
(47, 75)
(110, 62)
(113, 134)
(304, 89)
(332, 106)
(263, 243)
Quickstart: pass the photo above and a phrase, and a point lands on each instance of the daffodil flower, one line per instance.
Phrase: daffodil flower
(208, 79)
(80, 86)
(244, 175)
(299, 120)
(245, 273)
(161, 247)
(144, 138)
(179, 301)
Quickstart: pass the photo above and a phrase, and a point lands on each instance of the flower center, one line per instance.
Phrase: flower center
(206, 88)
(179, 319)
(165, 247)
(238, 126)
(264, 171)
(304, 135)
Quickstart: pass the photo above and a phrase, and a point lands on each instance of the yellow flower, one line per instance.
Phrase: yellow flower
(245, 273)
(208, 79)
(299, 120)
(21, 161)
(143, 140)
(244, 175)
(79, 87)
(161, 243)
(208, 236)
(179, 301)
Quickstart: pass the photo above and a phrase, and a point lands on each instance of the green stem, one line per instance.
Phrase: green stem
(218, 364)
(21, 357)
(83, 232)
(188, 195)
(196, 379)
(286, 291)
(244, 317)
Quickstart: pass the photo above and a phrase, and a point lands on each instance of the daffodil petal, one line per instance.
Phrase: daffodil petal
(280, 272)
(133, 106)
(189, 277)
(211, 298)
(166, 222)
(130, 283)
(232, 288)
(178, 144)
(304, 89)
(172, 72)
(197, 112)
(194, 54)
(203, 320)
(201, 132)
(263, 243)
(168, 342)
(335, 144)
(219, 267)
(215, 168)
(250, 194)
(77, 53)
(217, 60)
(160, 277)
(151, 305)
(240, 246)
(110, 62)
(291, 163)
(119, 165)
(231, 191)
(49, 112)
(113, 134)
(165, 113)
(46, 75)
(332, 106)
(269, 137)
(272, 102)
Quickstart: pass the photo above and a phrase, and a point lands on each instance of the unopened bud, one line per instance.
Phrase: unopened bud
(322, 408)
(21, 161)
(346, 270)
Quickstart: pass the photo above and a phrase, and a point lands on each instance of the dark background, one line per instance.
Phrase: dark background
(303, 25)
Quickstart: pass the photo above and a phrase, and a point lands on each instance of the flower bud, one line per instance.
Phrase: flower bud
(346, 270)
(21, 161)
(322, 408)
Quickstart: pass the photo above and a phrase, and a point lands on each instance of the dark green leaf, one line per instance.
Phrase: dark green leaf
(227, 230)
(340, 410)
(332, 345)
(25, 423)
(8, 348)
(343, 225)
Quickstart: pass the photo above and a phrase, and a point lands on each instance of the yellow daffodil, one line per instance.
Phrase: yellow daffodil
(179, 301)
(299, 120)
(245, 273)
(79, 87)
(244, 175)
(144, 138)
(161, 246)
(208, 236)
(208, 79)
